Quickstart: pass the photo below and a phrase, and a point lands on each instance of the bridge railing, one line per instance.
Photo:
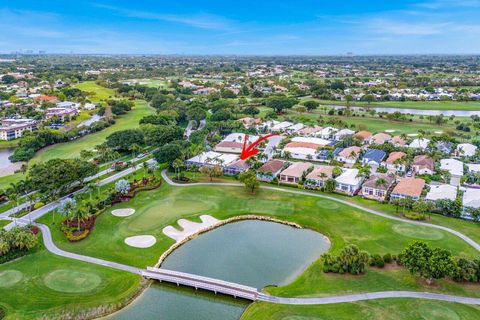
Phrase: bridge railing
(206, 283)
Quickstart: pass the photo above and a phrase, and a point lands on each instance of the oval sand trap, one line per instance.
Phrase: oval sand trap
(72, 281)
(123, 212)
(144, 241)
(9, 278)
(389, 131)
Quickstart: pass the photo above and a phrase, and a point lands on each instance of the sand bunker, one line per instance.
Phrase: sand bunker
(390, 131)
(189, 227)
(144, 241)
(123, 212)
(438, 132)
(412, 134)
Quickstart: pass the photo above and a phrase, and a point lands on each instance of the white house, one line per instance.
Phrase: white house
(327, 133)
(419, 143)
(344, 133)
(281, 127)
(441, 191)
(349, 182)
(295, 128)
(470, 199)
(465, 150)
(455, 168)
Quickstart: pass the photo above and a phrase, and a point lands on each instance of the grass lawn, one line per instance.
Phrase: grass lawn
(5, 144)
(384, 309)
(3, 223)
(96, 93)
(374, 124)
(427, 105)
(41, 285)
(73, 148)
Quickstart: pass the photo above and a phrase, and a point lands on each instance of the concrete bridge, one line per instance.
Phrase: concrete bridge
(198, 282)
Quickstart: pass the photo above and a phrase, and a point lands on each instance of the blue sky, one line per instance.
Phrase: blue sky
(241, 27)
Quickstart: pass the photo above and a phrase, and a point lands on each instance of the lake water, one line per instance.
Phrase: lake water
(4, 154)
(423, 112)
(90, 121)
(253, 253)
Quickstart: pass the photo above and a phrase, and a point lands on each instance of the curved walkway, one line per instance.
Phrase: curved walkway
(369, 296)
(465, 238)
(48, 241)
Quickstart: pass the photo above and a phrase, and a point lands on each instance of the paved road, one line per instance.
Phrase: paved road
(471, 242)
(272, 143)
(36, 214)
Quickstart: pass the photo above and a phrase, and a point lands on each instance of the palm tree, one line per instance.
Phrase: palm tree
(177, 164)
(13, 197)
(381, 182)
(91, 187)
(79, 214)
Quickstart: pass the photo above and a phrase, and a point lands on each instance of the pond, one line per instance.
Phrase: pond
(419, 112)
(4, 154)
(253, 253)
(90, 121)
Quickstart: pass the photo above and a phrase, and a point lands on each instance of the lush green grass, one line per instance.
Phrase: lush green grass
(73, 148)
(4, 144)
(427, 105)
(3, 223)
(42, 285)
(96, 93)
(385, 309)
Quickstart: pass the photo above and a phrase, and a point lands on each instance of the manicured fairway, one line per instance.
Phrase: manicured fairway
(427, 105)
(41, 285)
(385, 309)
(96, 93)
(72, 149)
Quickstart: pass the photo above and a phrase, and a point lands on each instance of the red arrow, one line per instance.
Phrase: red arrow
(250, 150)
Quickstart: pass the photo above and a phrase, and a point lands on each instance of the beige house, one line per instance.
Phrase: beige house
(377, 186)
(294, 173)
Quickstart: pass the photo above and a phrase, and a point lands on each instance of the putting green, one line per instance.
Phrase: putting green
(9, 278)
(72, 281)
(419, 232)
(438, 312)
(156, 215)
(327, 204)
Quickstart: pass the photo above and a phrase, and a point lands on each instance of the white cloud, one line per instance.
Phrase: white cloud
(202, 20)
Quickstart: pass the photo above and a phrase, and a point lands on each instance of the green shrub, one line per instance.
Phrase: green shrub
(415, 216)
(387, 258)
(38, 204)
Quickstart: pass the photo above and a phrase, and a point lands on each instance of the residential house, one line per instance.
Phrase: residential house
(342, 134)
(377, 186)
(270, 170)
(295, 128)
(327, 133)
(396, 162)
(281, 126)
(62, 114)
(236, 167)
(318, 176)
(349, 182)
(398, 141)
(211, 158)
(455, 168)
(408, 188)
(364, 136)
(295, 172)
(347, 155)
(421, 144)
(444, 147)
(373, 157)
(381, 138)
(423, 164)
(305, 147)
(441, 191)
(465, 150)
(310, 131)
(233, 143)
(470, 200)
